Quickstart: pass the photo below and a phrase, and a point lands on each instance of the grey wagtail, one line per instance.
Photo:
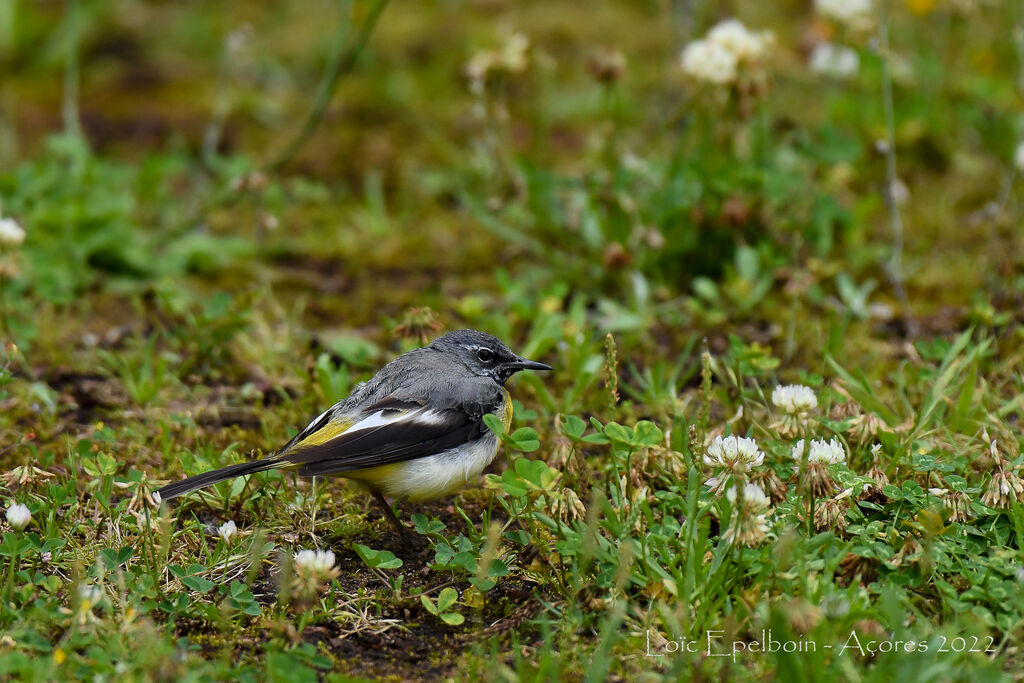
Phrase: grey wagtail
(414, 432)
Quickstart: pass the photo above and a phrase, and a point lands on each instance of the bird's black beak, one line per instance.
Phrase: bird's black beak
(524, 364)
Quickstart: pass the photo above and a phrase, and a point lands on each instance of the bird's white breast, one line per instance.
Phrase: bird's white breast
(432, 476)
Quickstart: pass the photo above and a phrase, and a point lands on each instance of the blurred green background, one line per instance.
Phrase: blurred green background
(415, 188)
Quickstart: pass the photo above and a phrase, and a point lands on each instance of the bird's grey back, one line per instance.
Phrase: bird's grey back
(421, 376)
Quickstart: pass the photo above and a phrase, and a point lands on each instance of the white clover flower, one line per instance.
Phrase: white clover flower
(826, 452)
(752, 495)
(11, 234)
(18, 516)
(796, 402)
(798, 451)
(729, 450)
(313, 570)
(748, 525)
(227, 530)
(830, 452)
(835, 61)
(816, 475)
(746, 45)
(795, 399)
(1018, 156)
(315, 562)
(729, 455)
(704, 60)
(855, 14)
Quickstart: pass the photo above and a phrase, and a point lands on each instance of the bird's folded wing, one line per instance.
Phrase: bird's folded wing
(391, 432)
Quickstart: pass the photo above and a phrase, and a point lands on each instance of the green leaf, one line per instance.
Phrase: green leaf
(113, 559)
(428, 604)
(617, 432)
(377, 559)
(520, 536)
(198, 584)
(448, 597)
(647, 433)
(892, 492)
(282, 667)
(494, 423)
(443, 554)
(536, 473)
(525, 439)
(497, 568)
(705, 288)
(425, 526)
(513, 484)
(465, 559)
(14, 545)
(573, 427)
(452, 618)
(483, 585)
(107, 463)
(748, 263)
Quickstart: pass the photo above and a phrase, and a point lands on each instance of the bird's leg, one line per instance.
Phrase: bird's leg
(409, 537)
(390, 514)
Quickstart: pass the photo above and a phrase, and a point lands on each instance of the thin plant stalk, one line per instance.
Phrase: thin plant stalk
(342, 62)
(895, 219)
(69, 106)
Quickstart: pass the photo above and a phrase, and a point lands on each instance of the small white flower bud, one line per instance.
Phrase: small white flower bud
(18, 516)
(227, 530)
(11, 234)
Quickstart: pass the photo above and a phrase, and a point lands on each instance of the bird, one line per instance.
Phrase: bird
(414, 432)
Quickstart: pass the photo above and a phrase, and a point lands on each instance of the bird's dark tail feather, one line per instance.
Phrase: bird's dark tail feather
(199, 481)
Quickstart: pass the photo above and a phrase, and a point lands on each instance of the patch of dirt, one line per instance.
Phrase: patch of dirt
(84, 396)
(421, 646)
(427, 652)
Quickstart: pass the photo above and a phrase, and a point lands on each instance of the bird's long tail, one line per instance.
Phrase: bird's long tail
(199, 481)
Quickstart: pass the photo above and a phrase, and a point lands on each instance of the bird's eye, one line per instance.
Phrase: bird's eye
(485, 355)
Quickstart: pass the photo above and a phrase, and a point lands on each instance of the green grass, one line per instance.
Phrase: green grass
(675, 251)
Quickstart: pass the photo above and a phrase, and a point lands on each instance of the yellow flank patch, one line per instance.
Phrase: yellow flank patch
(325, 433)
(506, 413)
(373, 477)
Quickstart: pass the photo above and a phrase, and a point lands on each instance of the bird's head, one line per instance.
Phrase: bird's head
(484, 354)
